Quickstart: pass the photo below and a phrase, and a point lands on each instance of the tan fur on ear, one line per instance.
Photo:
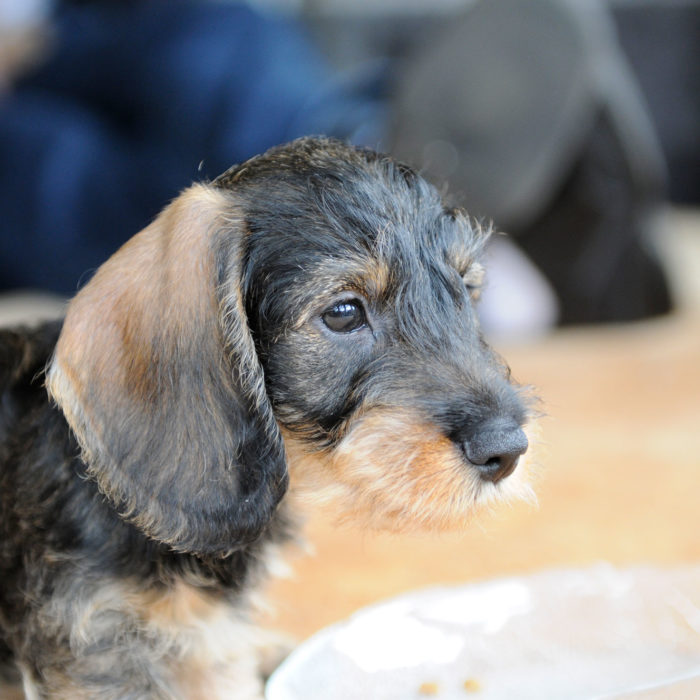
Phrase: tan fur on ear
(157, 284)
(143, 372)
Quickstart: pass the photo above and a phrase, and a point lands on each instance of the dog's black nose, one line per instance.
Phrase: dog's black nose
(495, 447)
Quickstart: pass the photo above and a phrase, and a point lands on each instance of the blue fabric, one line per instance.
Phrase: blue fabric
(137, 101)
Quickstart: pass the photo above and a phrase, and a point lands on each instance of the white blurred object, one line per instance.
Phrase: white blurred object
(517, 302)
(29, 308)
(19, 15)
(576, 634)
(23, 37)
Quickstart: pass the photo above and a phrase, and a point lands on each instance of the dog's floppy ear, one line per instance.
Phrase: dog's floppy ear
(157, 374)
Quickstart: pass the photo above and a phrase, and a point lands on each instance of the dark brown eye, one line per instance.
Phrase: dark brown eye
(345, 317)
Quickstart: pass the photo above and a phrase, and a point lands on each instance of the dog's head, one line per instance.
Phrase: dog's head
(312, 307)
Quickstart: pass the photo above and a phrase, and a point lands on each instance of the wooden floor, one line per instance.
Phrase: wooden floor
(618, 470)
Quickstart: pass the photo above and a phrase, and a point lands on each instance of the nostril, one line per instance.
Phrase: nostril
(495, 449)
(498, 468)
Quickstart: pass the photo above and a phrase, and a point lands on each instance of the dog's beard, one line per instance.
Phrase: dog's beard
(394, 471)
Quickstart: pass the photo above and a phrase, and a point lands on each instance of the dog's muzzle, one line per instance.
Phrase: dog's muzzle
(494, 447)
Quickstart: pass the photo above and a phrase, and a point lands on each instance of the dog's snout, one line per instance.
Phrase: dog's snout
(495, 447)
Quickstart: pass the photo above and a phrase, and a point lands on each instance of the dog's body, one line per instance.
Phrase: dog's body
(306, 316)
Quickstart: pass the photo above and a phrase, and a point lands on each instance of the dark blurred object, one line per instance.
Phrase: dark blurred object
(591, 240)
(662, 41)
(134, 96)
(530, 111)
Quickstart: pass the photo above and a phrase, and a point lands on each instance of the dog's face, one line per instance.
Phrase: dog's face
(311, 311)
(362, 304)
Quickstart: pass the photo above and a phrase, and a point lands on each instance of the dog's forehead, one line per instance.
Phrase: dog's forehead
(325, 208)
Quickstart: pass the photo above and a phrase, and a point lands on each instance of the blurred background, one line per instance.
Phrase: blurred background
(573, 125)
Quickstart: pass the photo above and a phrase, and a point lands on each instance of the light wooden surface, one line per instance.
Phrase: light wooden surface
(618, 470)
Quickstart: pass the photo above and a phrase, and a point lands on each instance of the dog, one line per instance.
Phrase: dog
(301, 329)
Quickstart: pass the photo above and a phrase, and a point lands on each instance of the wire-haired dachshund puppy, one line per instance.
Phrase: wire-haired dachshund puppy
(305, 319)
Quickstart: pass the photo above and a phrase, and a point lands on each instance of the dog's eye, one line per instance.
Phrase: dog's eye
(474, 291)
(345, 317)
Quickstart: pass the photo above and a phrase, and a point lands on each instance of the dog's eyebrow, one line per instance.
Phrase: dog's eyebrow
(370, 278)
(332, 277)
(467, 240)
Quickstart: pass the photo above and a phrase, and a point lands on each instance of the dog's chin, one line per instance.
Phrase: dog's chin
(394, 472)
